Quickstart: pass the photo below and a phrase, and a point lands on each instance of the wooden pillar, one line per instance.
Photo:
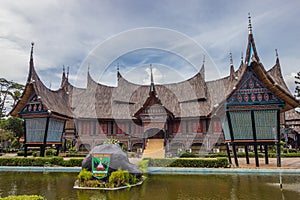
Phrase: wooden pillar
(247, 154)
(266, 154)
(43, 146)
(25, 132)
(228, 153)
(254, 138)
(232, 139)
(235, 155)
(57, 150)
(278, 140)
(25, 150)
(256, 155)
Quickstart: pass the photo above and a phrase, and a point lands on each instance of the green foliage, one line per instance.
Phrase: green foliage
(72, 162)
(84, 176)
(290, 155)
(297, 82)
(15, 125)
(189, 162)
(111, 141)
(50, 152)
(188, 155)
(40, 161)
(23, 197)
(119, 178)
(143, 164)
(9, 88)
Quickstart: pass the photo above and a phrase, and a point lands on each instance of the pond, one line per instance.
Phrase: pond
(193, 187)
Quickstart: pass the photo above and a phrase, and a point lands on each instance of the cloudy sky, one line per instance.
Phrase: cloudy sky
(172, 35)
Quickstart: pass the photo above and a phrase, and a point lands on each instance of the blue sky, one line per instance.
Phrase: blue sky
(172, 35)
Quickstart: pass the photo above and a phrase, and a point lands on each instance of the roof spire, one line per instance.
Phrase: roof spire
(118, 72)
(249, 25)
(31, 64)
(277, 57)
(242, 58)
(231, 65)
(152, 87)
(230, 56)
(68, 70)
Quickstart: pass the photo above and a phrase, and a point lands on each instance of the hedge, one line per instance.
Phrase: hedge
(189, 162)
(40, 161)
(23, 197)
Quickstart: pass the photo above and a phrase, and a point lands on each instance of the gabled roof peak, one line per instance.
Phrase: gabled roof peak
(249, 24)
(251, 53)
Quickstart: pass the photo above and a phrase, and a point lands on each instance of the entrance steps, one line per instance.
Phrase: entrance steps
(154, 149)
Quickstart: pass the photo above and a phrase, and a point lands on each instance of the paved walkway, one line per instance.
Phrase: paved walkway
(289, 163)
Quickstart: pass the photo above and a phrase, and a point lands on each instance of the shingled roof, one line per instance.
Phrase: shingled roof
(190, 98)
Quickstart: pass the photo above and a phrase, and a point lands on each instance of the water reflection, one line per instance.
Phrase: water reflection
(193, 187)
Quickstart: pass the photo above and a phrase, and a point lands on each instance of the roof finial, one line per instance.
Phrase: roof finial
(68, 70)
(249, 25)
(242, 58)
(88, 67)
(152, 88)
(276, 53)
(203, 59)
(118, 67)
(151, 74)
(31, 53)
(63, 69)
(231, 62)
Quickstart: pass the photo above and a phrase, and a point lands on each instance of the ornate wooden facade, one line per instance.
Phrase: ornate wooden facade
(195, 114)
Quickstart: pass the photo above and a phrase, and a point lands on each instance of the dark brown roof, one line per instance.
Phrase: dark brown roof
(190, 98)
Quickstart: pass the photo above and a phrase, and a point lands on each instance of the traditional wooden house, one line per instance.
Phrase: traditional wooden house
(187, 115)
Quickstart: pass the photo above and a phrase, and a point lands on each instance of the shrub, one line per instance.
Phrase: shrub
(50, 152)
(143, 165)
(189, 162)
(84, 176)
(188, 155)
(23, 197)
(290, 155)
(40, 161)
(119, 178)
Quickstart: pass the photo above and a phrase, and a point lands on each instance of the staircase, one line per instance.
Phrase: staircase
(154, 149)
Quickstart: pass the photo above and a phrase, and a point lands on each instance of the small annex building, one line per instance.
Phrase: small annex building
(193, 115)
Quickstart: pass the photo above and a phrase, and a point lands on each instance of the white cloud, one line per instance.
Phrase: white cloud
(66, 31)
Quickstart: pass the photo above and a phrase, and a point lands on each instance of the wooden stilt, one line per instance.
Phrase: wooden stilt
(42, 150)
(235, 155)
(247, 154)
(25, 150)
(228, 153)
(266, 154)
(256, 155)
(278, 140)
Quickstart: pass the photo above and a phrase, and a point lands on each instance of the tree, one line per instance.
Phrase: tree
(297, 82)
(9, 91)
(15, 125)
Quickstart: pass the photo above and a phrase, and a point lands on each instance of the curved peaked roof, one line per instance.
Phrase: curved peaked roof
(190, 98)
(55, 101)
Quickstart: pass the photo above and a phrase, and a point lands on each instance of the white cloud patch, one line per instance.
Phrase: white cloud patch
(65, 32)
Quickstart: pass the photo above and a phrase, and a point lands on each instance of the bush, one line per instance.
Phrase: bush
(189, 162)
(188, 155)
(84, 176)
(40, 161)
(119, 178)
(23, 197)
(143, 165)
(50, 152)
(290, 155)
